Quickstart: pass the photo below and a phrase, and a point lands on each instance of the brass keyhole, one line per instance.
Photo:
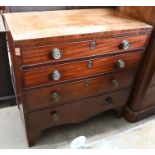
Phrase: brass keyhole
(109, 100)
(56, 96)
(55, 116)
(86, 83)
(115, 83)
(93, 45)
(90, 64)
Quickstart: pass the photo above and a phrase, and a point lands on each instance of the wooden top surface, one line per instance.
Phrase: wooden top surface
(2, 28)
(36, 25)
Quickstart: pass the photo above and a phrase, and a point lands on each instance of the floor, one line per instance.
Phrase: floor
(140, 137)
(103, 131)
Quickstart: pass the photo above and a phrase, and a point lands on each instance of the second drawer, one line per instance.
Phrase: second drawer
(71, 92)
(75, 70)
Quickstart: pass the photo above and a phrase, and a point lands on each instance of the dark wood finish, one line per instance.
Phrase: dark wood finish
(89, 83)
(6, 89)
(78, 111)
(76, 70)
(144, 78)
(149, 99)
(153, 80)
(2, 9)
(80, 49)
(42, 98)
(142, 101)
(75, 112)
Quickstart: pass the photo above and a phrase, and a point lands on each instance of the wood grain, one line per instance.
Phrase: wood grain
(76, 112)
(142, 13)
(66, 24)
(76, 70)
(35, 34)
(149, 99)
(81, 49)
(42, 98)
(142, 102)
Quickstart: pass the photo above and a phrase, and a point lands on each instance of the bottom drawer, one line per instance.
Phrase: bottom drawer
(77, 111)
(74, 91)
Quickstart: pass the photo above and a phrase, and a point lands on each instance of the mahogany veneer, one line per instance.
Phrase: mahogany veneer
(78, 69)
(32, 56)
(69, 92)
(72, 67)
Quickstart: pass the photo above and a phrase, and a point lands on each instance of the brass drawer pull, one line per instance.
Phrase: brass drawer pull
(93, 45)
(56, 53)
(120, 64)
(90, 64)
(56, 96)
(124, 45)
(56, 75)
(109, 100)
(115, 83)
(55, 116)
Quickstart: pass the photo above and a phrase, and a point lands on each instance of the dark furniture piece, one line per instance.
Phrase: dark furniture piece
(6, 89)
(72, 67)
(142, 100)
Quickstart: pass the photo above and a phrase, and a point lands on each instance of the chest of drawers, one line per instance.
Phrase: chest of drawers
(72, 65)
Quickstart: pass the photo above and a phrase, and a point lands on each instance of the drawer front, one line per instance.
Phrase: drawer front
(68, 51)
(75, 70)
(76, 112)
(71, 92)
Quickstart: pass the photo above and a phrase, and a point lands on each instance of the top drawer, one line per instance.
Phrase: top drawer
(75, 50)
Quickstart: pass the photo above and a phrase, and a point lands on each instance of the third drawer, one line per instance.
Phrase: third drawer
(71, 92)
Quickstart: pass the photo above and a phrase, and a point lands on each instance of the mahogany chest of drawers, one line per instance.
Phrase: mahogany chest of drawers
(72, 65)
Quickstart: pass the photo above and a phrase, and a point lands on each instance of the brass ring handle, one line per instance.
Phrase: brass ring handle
(56, 75)
(120, 64)
(56, 53)
(124, 45)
